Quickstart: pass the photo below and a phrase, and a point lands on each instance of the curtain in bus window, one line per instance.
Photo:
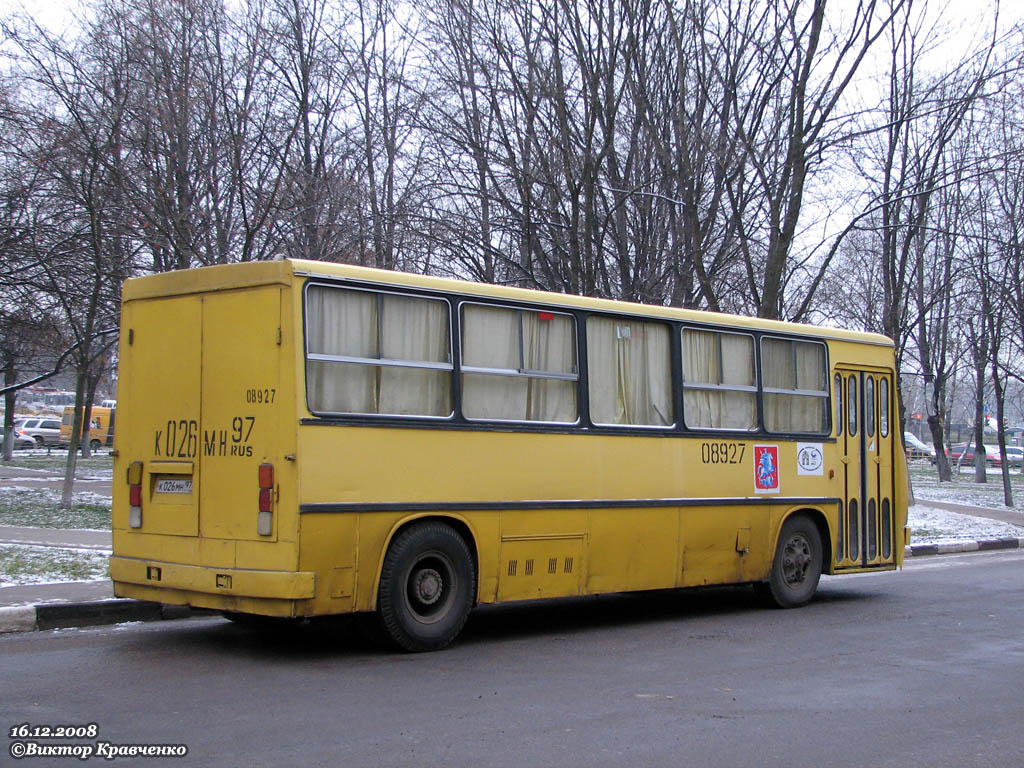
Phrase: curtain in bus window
(353, 324)
(712, 362)
(415, 330)
(517, 347)
(342, 323)
(629, 371)
(794, 365)
(490, 339)
(549, 345)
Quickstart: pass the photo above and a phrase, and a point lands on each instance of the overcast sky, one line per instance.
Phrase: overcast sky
(966, 15)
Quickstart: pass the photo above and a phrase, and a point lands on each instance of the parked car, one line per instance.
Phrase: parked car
(1015, 456)
(44, 430)
(915, 448)
(20, 441)
(967, 451)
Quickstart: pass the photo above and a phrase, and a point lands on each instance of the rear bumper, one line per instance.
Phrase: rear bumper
(271, 592)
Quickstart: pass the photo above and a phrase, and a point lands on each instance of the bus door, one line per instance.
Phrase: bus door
(865, 434)
(241, 406)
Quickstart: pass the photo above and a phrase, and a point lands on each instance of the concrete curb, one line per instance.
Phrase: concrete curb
(953, 547)
(28, 618)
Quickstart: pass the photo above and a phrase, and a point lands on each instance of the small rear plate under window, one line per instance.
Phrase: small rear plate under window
(174, 485)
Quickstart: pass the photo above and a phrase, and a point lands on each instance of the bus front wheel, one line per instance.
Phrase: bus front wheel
(426, 587)
(796, 567)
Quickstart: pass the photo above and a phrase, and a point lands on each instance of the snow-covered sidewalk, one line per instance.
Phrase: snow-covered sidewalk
(932, 525)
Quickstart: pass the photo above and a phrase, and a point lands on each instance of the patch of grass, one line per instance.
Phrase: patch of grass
(98, 465)
(40, 508)
(963, 489)
(39, 565)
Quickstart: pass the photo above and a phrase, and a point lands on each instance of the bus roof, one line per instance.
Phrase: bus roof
(250, 274)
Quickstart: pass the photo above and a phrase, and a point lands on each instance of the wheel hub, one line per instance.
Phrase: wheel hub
(796, 560)
(427, 586)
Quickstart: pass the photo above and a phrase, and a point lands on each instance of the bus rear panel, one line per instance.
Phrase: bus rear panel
(204, 510)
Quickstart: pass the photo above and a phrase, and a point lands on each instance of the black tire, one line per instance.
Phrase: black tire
(796, 567)
(427, 587)
(39, 440)
(94, 445)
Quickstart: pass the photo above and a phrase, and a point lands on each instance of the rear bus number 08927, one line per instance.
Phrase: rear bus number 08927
(722, 453)
(258, 395)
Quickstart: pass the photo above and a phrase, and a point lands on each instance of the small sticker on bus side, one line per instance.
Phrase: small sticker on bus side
(810, 459)
(766, 469)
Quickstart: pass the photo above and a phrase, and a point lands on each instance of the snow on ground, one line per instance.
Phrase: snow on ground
(930, 525)
(26, 564)
(990, 496)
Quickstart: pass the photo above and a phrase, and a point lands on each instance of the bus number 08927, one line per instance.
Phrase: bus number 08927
(259, 396)
(722, 453)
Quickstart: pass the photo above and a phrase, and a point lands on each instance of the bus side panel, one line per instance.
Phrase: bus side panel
(329, 546)
(633, 549)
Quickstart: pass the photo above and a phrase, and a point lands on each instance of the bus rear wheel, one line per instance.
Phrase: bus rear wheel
(796, 567)
(426, 587)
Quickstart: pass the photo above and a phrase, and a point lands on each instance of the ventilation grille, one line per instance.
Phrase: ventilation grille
(529, 566)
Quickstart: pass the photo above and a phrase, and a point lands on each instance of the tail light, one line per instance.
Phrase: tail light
(135, 494)
(265, 515)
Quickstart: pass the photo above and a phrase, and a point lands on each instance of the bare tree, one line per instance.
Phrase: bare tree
(79, 251)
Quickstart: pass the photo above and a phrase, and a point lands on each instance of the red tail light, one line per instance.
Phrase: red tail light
(135, 494)
(266, 499)
(265, 510)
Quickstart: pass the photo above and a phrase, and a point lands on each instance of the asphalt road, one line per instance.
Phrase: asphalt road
(923, 667)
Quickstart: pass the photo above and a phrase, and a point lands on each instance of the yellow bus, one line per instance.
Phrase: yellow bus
(101, 426)
(303, 439)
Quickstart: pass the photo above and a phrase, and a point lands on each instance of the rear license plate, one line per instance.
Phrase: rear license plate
(174, 485)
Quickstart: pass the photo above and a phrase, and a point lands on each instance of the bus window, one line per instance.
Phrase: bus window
(839, 404)
(629, 372)
(377, 353)
(719, 388)
(796, 393)
(518, 364)
(851, 404)
(883, 407)
(869, 405)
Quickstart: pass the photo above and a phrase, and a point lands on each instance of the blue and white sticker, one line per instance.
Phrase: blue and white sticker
(810, 459)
